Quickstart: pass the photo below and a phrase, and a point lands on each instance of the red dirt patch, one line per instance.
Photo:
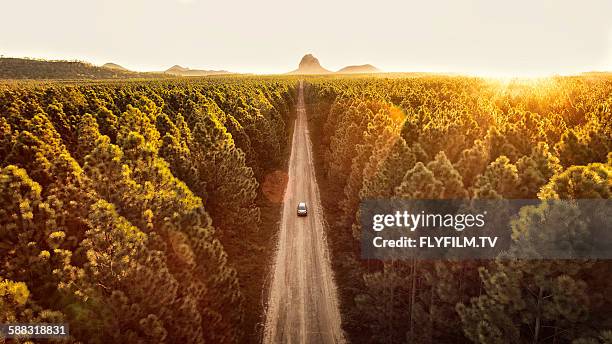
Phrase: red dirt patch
(273, 185)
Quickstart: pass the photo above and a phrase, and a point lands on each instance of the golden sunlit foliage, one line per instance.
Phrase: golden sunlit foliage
(129, 209)
(443, 137)
(134, 210)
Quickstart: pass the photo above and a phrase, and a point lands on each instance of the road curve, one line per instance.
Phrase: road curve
(302, 304)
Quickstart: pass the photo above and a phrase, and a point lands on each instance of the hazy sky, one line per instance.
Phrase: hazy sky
(270, 36)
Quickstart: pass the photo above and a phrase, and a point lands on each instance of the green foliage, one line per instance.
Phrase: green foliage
(591, 181)
(458, 137)
(500, 179)
(119, 203)
(420, 183)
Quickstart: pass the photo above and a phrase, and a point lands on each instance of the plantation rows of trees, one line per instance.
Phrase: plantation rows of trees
(434, 137)
(129, 210)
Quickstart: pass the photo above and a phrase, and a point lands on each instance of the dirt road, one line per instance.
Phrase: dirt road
(302, 305)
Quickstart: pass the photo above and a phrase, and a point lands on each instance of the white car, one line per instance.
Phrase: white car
(301, 209)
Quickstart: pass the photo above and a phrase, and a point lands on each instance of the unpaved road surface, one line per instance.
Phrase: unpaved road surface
(302, 305)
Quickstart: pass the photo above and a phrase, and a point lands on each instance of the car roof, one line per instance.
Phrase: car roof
(302, 204)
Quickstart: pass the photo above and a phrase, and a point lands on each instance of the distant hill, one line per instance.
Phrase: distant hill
(366, 68)
(23, 68)
(182, 71)
(176, 69)
(310, 65)
(114, 66)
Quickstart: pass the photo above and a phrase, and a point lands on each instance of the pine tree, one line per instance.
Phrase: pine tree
(28, 226)
(383, 303)
(572, 150)
(420, 183)
(87, 134)
(16, 306)
(231, 187)
(451, 180)
(580, 182)
(472, 162)
(497, 142)
(107, 121)
(500, 178)
(535, 170)
(6, 138)
(389, 175)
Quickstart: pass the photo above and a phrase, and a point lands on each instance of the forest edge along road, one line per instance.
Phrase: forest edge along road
(302, 304)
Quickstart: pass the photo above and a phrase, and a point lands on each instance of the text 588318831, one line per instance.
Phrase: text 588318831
(34, 331)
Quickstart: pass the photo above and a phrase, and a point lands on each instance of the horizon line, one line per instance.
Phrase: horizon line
(480, 74)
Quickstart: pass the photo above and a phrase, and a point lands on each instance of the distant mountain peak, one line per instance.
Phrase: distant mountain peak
(310, 65)
(309, 61)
